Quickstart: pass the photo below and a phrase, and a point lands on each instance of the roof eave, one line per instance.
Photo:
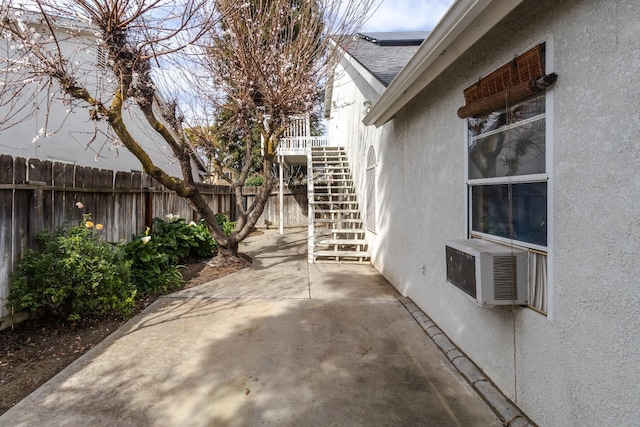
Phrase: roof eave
(463, 24)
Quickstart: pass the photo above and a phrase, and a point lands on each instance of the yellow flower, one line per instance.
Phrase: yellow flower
(99, 226)
(88, 224)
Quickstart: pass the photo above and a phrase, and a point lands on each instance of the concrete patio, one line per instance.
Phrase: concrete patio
(281, 342)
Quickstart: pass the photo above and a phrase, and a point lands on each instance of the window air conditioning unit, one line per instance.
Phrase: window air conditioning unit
(490, 273)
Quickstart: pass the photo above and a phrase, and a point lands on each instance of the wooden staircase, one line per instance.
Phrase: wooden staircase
(336, 231)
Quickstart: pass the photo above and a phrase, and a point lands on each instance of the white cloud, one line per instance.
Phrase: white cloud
(407, 15)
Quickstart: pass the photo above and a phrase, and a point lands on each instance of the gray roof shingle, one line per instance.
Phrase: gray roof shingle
(385, 54)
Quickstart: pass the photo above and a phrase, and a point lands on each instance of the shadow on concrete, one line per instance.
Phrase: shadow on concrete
(352, 355)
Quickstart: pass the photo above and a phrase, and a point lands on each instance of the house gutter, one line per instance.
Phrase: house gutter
(459, 29)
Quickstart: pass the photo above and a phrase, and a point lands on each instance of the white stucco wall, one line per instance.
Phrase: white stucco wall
(580, 366)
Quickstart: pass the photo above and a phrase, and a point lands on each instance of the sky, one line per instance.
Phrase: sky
(407, 15)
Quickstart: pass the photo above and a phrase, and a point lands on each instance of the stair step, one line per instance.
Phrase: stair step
(334, 202)
(341, 254)
(349, 204)
(333, 173)
(350, 242)
(332, 187)
(335, 197)
(328, 231)
(329, 211)
(334, 194)
(337, 220)
(335, 207)
(339, 236)
(332, 176)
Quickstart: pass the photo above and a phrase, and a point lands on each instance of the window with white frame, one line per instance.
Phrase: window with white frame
(507, 182)
(370, 195)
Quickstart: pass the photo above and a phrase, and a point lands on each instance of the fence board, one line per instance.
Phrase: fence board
(137, 209)
(102, 179)
(21, 209)
(69, 197)
(58, 179)
(6, 230)
(47, 195)
(122, 205)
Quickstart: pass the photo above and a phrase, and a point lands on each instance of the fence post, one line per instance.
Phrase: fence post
(148, 208)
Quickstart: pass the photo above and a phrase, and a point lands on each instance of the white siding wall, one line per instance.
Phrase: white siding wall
(72, 130)
(581, 365)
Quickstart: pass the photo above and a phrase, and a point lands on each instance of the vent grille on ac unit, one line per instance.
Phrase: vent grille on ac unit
(461, 270)
(505, 273)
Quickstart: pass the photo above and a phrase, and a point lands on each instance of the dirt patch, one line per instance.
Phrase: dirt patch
(36, 350)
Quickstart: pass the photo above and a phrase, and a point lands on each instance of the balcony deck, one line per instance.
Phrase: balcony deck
(295, 149)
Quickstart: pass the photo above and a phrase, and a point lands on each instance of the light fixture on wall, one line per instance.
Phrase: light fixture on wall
(367, 106)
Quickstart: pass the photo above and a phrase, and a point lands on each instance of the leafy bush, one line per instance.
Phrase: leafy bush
(74, 275)
(180, 240)
(255, 181)
(226, 225)
(155, 255)
(151, 271)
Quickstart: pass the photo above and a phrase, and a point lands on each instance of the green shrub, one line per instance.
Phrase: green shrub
(151, 271)
(155, 255)
(226, 225)
(255, 181)
(74, 275)
(180, 240)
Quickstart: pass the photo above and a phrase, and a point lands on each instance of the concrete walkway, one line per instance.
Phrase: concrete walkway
(282, 343)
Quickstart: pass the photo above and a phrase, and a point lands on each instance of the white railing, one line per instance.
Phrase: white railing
(299, 144)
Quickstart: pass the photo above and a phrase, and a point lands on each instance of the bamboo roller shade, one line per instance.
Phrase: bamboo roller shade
(510, 83)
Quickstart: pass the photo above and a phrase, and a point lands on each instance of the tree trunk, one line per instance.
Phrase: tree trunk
(228, 251)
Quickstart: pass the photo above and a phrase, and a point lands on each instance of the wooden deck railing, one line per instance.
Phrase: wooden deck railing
(298, 145)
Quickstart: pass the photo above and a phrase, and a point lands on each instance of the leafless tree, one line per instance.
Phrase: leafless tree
(265, 58)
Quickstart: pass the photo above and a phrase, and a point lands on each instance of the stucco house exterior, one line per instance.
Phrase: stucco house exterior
(551, 173)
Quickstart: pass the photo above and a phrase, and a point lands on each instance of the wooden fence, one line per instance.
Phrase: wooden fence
(36, 195)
